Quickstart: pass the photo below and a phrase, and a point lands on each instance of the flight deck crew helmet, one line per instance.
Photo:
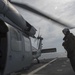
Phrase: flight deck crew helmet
(66, 30)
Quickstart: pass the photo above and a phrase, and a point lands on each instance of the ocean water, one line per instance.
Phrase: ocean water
(53, 55)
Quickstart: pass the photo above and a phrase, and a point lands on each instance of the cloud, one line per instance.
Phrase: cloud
(52, 34)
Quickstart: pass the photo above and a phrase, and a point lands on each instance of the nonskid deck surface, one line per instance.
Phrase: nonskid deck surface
(57, 66)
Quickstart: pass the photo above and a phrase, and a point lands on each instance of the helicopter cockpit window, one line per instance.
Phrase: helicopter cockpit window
(16, 43)
(27, 44)
(15, 34)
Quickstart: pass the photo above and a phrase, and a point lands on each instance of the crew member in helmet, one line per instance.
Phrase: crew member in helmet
(69, 45)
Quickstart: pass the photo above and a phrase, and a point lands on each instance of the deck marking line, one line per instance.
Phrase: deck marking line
(36, 70)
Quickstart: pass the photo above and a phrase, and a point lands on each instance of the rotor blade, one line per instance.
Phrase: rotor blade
(29, 8)
(72, 28)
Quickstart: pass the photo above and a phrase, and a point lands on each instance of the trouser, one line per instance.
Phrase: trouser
(72, 61)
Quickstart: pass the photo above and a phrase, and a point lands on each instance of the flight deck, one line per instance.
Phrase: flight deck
(56, 66)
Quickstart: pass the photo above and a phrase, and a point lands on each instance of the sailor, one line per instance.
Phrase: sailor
(69, 45)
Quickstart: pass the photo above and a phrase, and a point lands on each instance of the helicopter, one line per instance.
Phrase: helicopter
(16, 49)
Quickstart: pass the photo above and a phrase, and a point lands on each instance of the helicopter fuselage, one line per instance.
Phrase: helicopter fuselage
(16, 51)
(15, 44)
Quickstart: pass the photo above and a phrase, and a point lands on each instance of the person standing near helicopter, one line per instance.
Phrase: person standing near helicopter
(69, 45)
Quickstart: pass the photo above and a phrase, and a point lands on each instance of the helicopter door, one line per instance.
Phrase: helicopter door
(28, 51)
(15, 51)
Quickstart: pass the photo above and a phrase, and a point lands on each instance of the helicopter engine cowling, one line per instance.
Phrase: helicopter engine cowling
(11, 13)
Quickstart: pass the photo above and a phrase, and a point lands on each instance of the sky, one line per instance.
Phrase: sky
(50, 31)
